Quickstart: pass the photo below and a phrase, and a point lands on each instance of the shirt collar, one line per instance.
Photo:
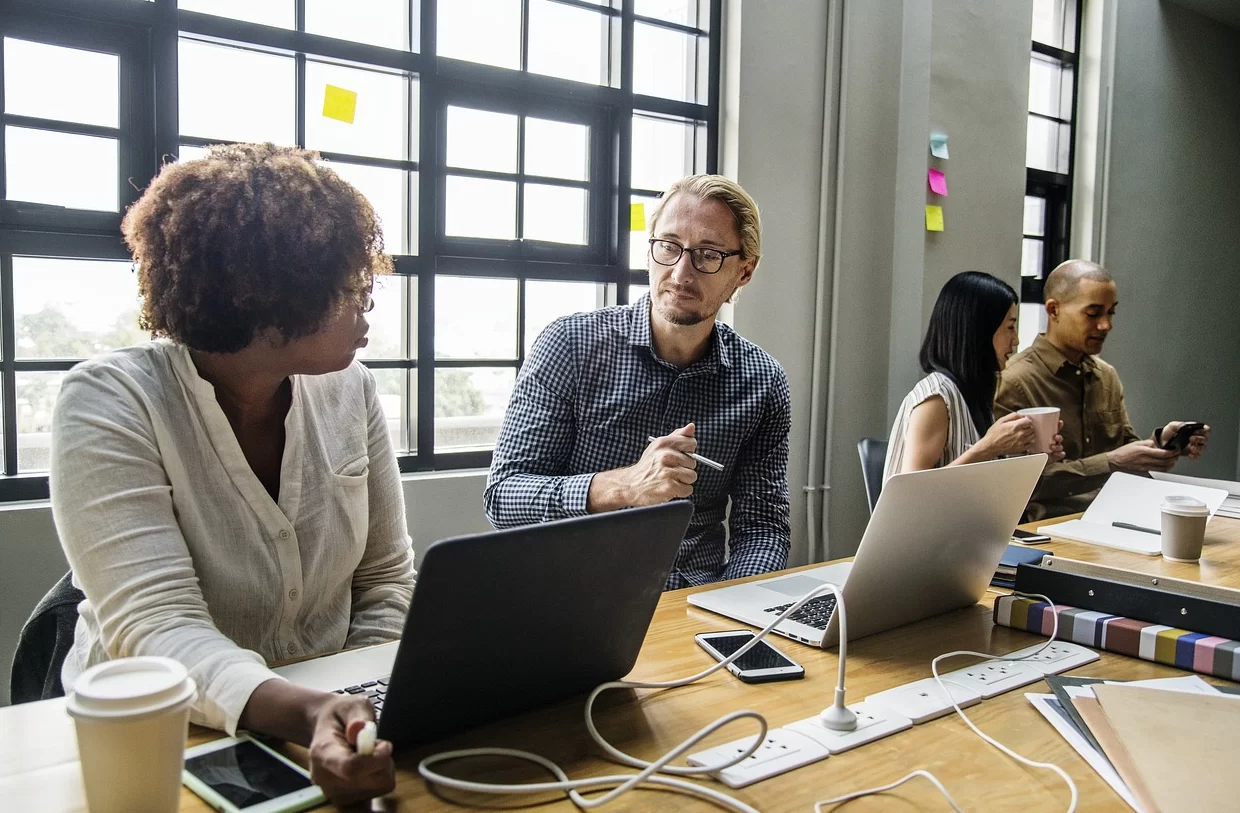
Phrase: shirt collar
(719, 354)
(1056, 360)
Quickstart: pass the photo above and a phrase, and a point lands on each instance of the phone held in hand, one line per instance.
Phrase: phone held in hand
(1179, 441)
(242, 775)
(760, 664)
(1029, 537)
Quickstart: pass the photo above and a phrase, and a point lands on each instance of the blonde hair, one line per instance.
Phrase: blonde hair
(728, 192)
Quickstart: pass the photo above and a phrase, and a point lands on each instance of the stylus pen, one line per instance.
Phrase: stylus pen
(703, 460)
(1131, 527)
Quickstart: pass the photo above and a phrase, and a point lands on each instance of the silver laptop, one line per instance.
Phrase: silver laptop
(932, 546)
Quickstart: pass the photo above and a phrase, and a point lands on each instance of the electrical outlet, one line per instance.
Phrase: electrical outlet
(873, 723)
(1058, 657)
(923, 700)
(783, 751)
(995, 677)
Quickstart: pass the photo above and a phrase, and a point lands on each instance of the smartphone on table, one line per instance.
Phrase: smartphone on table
(1029, 537)
(761, 664)
(1179, 441)
(242, 775)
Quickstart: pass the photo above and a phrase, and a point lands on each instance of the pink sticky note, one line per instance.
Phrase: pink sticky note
(938, 182)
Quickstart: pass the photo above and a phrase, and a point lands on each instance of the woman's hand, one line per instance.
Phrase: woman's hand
(1056, 451)
(1011, 434)
(335, 766)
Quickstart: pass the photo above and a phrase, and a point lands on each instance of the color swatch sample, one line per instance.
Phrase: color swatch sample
(934, 218)
(938, 181)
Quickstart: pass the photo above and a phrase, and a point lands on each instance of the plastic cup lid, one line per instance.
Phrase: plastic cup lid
(1185, 507)
(130, 687)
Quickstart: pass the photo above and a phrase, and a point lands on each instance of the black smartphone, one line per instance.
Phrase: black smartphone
(760, 664)
(1179, 441)
(1029, 537)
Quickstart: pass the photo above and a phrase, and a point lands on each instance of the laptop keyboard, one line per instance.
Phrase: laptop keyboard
(814, 613)
(375, 691)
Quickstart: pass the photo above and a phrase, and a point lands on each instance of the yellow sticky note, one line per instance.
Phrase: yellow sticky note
(934, 218)
(637, 217)
(339, 104)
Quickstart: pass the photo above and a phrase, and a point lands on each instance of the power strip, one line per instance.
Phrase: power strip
(888, 712)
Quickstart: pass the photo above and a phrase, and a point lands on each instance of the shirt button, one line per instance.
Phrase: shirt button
(284, 534)
(292, 648)
(292, 594)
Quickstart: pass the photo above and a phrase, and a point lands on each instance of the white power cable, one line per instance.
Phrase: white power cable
(658, 772)
(934, 669)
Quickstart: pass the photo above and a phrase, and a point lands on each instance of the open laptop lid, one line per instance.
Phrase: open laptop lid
(506, 621)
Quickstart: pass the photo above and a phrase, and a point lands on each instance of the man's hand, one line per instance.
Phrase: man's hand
(335, 766)
(1196, 444)
(1141, 456)
(664, 472)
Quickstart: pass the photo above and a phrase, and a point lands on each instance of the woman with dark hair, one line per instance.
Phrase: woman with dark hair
(227, 494)
(948, 418)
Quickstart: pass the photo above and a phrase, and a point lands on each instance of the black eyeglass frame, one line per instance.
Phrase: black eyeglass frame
(694, 257)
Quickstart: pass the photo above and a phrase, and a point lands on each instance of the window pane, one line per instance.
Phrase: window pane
(1035, 216)
(382, 114)
(475, 318)
(189, 152)
(481, 208)
(638, 238)
(74, 309)
(388, 336)
(1031, 322)
(486, 31)
(36, 398)
(557, 149)
(375, 22)
(390, 192)
(469, 406)
(665, 150)
(1054, 23)
(546, 300)
(1050, 87)
(60, 169)
(1031, 258)
(684, 12)
(636, 292)
(236, 95)
(665, 63)
(266, 12)
(556, 214)
(567, 42)
(392, 387)
(51, 82)
(480, 139)
(1048, 144)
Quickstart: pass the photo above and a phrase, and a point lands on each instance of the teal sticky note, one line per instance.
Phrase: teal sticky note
(938, 145)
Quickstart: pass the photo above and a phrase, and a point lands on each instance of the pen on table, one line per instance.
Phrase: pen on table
(1130, 527)
(704, 460)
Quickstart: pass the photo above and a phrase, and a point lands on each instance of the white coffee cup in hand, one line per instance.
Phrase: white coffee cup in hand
(1045, 426)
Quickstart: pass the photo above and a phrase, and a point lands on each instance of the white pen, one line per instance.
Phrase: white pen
(704, 460)
(366, 739)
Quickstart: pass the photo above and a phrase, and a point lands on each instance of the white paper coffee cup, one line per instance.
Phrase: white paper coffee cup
(1045, 426)
(1183, 528)
(131, 716)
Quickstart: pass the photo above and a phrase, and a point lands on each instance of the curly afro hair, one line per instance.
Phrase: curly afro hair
(250, 237)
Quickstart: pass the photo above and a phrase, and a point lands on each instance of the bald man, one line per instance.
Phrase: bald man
(1061, 370)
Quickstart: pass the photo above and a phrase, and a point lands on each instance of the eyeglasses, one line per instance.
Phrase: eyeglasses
(705, 260)
(369, 305)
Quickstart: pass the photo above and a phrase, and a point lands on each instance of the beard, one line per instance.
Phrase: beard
(682, 318)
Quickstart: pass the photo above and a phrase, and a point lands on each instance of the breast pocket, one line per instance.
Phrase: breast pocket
(354, 499)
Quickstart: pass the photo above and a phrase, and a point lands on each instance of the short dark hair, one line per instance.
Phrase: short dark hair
(960, 338)
(252, 236)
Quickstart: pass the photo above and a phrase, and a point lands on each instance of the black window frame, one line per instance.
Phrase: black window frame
(151, 31)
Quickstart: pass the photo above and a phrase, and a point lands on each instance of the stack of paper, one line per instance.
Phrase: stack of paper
(1163, 745)
(1230, 506)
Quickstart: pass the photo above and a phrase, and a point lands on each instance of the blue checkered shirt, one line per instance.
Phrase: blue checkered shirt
(592, 391)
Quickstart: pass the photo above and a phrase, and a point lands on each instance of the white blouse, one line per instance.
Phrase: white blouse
(182, 552)
(961, 433)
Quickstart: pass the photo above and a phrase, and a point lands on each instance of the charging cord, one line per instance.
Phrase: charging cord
(658, 772)
(934, 669)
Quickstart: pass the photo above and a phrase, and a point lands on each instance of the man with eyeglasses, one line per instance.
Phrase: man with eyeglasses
(615, 408)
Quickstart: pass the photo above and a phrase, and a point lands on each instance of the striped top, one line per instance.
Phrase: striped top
(961, 433)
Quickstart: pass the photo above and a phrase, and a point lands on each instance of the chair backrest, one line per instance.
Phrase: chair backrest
(44, 642)
(873, 454)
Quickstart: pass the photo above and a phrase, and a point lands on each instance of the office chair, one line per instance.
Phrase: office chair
(873, 454)
(44, 642)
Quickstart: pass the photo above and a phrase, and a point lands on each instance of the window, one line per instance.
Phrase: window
(1048, 153)
(511, 148)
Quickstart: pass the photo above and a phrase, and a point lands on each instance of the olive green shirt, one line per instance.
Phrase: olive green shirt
(1095, 421)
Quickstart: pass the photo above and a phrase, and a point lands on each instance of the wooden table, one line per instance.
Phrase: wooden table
(38, 750)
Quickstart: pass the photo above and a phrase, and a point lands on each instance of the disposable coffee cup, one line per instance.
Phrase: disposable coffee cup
(1183, 528)
(1045, 426)
(132, 715)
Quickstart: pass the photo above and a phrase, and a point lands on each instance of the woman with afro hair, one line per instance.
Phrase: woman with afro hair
(227, 494)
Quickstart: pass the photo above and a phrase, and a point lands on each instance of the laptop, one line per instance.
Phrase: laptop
(932, 545)
(505, 621)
